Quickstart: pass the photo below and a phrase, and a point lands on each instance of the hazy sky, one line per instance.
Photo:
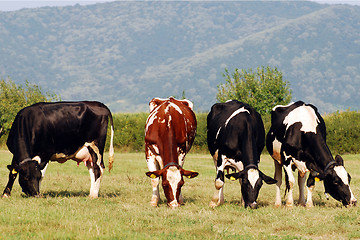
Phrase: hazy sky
(16, 5)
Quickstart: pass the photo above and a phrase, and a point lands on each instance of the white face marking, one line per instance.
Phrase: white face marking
(173, 176)
(240, 110)
(341, 172)
(306, 116)
(253, 176)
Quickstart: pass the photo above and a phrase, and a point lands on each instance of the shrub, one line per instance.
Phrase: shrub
(343, 132)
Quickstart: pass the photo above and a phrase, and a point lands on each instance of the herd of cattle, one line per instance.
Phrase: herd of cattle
(61, 131)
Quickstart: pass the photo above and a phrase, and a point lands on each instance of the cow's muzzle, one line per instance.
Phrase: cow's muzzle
(174, 204)
(253, 205)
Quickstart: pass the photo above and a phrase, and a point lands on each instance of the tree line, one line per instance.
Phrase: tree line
(262, 88)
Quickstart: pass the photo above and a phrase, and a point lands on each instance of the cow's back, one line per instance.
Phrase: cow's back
(226, 128)
(54, 127)
(171, 125)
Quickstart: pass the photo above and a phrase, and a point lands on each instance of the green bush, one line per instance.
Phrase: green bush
(343, 132)
(129, 131)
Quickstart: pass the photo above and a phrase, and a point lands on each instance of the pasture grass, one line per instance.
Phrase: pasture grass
(122, 210)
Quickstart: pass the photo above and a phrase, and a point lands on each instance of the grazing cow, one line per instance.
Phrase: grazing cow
(169, 134)
(58, 131)
(297, 139)
(236, 137)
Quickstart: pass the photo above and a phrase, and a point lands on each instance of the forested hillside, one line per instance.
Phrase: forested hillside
(125, 53)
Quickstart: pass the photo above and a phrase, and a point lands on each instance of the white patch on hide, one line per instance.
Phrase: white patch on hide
(37, 158)
(306, 116)
(276, 150)
(176, 108)
(217, 134)
(150, 120)
(240, 110)
(274, 108)
(301, 166)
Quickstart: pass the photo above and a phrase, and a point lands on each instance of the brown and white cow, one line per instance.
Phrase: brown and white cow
(297, 139)
(169, 133)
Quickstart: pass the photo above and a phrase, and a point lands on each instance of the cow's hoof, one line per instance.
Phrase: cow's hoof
(5, 195)
(309, 205)
(214, 204)
(289, 205)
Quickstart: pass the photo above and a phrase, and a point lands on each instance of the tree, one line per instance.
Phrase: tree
(15, 97)
(262, 89)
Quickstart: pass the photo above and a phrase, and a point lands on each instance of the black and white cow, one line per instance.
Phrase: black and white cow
(236, 137)
(297, 139)
(58, 131)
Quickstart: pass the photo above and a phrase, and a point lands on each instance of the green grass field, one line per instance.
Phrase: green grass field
(122, 210)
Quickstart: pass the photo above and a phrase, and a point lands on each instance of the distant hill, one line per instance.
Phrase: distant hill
(125, 53)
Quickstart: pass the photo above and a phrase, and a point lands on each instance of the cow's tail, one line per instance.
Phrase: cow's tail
(287, 183)
(111, 149)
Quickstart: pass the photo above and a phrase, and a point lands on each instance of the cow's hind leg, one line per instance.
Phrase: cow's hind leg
(290, 182)
(278, 178)
(218, 197)
(96, 171)
(12, 177)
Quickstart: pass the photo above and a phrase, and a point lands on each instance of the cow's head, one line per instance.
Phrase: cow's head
(29, 177)
(172, 181)
(337, 182)
(251, 180)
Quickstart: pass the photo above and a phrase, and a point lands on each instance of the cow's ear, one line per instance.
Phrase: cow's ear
(339, 160)
(267, 179)
(235, 176)
(189, 174)
(13, 170)
(313, 167)
(318, 176)
(154, 174)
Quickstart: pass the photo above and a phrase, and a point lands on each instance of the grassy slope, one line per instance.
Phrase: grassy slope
(122, 210)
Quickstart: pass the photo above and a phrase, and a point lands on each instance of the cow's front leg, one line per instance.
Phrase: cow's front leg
(218, 197)
(96, 172)
(301, 183)
(12, 177)
(153, 166)
(290, 185)
(310, 185)
(278, 178)
(43, 171)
